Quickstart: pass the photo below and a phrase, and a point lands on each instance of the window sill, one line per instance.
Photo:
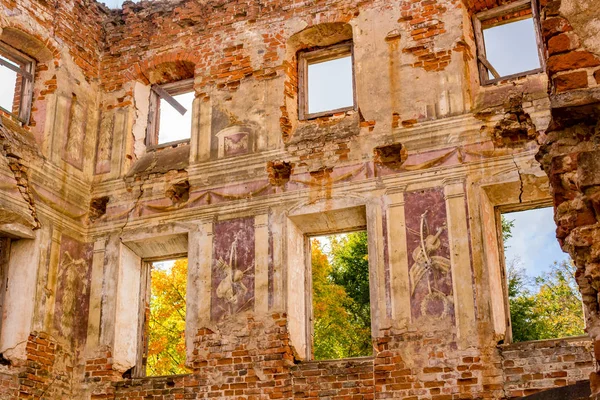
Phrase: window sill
(141, 379)
(176, 143)
(508, 78)
(336, 360)
(330, 113)
(542, 343)
(12, 116)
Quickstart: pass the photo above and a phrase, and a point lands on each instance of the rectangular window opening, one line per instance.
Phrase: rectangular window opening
(8, 77)
(341, 311)
(543, 297)
(16, 82)
(508, 42)
(164, 322)
(170, 117)
(326, 81)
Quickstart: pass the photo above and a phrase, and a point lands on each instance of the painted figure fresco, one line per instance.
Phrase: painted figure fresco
(429, 256)
(233, 268)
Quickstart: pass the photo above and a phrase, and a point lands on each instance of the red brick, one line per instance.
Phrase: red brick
(570, 81)
(571, 60)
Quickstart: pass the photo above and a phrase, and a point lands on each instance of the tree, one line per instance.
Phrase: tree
(166, 324)
(558, 302)
(525, 322)
(339, 332)
(351, 270)
(553, 310)
(545, 307)
(507, 226)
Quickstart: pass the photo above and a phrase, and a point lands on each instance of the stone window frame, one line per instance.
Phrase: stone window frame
(157, 93)
(145, 294)
(26, 72)
(307, 57)
(124, 315)
(303, 225)
(18, 288)
(497, 12)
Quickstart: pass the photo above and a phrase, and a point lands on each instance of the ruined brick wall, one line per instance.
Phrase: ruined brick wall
(427, 145)
(516, 370)
(569, 151)
(531, 367)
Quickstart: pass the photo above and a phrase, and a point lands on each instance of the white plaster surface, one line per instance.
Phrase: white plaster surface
(19, 298)
(127, 315)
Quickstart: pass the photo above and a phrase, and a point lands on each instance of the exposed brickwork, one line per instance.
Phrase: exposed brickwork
(569, 152)
(570, 81)
(100, 375)
(405, 366)
(429, 366)
(535, 366)
(344, 379)
(9, 385)
(423, 22)
(41, 376)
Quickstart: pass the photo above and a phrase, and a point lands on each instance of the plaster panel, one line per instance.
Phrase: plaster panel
(73, 290)
(127, 310)
(233, 268)
(429, 256)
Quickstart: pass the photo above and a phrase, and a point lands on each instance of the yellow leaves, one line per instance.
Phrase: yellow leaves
(166, 325)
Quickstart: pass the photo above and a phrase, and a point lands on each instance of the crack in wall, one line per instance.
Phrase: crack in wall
(135, 205)
(521, 187)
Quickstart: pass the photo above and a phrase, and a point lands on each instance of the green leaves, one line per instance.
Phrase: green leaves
(341, 307)
(552, 310)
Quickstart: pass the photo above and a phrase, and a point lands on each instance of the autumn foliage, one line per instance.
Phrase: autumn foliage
(341, 307)
(166, 323)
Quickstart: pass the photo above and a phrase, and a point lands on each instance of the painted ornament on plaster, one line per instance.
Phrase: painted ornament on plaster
(435, 304)
(74, 288)
(104, 144)
(233, 268)
(232, 288)
(234, 141)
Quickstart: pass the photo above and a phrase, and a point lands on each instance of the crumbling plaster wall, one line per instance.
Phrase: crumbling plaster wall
(425, 137)
(46, 196)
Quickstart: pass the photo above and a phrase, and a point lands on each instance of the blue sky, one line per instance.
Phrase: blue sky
(512, 48)
(330, 85)
(533, 240)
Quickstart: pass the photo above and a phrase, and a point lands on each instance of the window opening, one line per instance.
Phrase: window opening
(8, 77)
(543, 296)
(327, 81)
(508, 41)
(170, 117)
(165, 310)
(341, 311)
(512, 48)
(16, 82)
